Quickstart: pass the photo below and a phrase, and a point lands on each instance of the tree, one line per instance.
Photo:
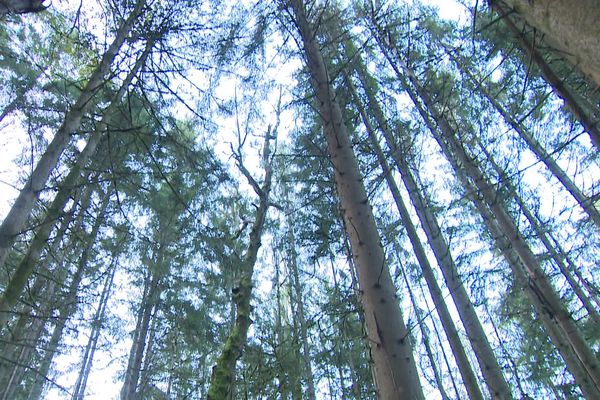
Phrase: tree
(395, 370)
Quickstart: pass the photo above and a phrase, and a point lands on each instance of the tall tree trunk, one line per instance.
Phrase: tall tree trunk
(129, 391)
(462, 361)
(583, 113)
(541, 234)
(300, 313)
(223, 373)
(90, 348)
(584, 202)
(73, 179)
(69, 305)
(571, 26)
(488, 363)
(16, 218)
(426, 343)
(527, 271)
(394, 366)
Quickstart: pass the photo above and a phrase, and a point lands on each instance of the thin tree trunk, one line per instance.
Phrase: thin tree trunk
(17, 217)
(541, 234)
(426, 344)
(584, 202)
(300, 313)
(21, 275)
(488, 363)
(70, 302)
(560, 88)
(129, 391)
(394, 366)
(90, 349)
(460, 356)
(549, 306)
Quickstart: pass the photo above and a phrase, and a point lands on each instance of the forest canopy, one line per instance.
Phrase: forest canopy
(296, 199)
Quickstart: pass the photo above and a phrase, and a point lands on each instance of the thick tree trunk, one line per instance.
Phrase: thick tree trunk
(462, 361)
(395, 370)
(21, 6)
(586, 114)
(17, 217)
(571, 26)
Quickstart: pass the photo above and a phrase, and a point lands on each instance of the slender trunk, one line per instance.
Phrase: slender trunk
(426, 344)
(548, 304)
(541, 234)
(488, 363)
(584, 202)
(300, 313)
(17, 217)
(460, 356)
(571, 26)
(129, 391)
(21, 275)
(394, 366)
(223, 373)
(69, 305)
(584, 116)
(90, 348)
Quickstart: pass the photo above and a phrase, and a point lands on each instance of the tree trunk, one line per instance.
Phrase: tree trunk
(17, 217)
(548, 304)
(90, 348)
(541, 234)
(483, 351)
(426, 344)
(395, 369)
(69, 305)
(21, 6)
(584, 114)
(571, 26)
(223, 373)
(462, 361)
(584, 202)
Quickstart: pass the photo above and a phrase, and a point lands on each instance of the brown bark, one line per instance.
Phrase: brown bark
(395, 370)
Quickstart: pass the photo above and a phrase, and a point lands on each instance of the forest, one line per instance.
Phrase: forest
(287, 199)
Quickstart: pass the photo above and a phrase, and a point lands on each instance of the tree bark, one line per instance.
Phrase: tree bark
(585, 115)
(571, 26)
(395, 370)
